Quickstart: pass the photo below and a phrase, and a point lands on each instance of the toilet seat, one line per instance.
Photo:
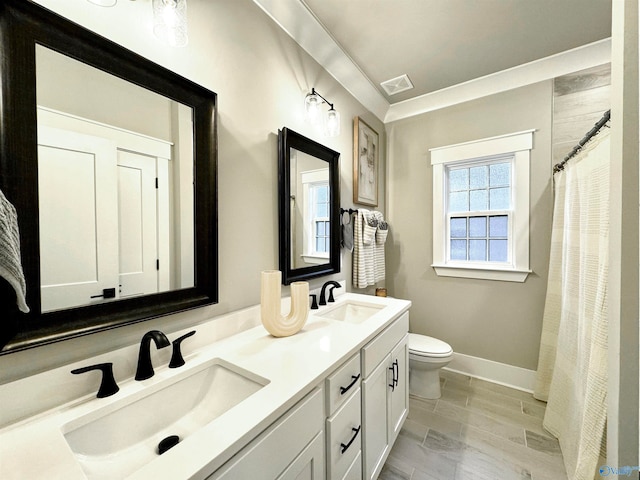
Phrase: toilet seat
(423, 346)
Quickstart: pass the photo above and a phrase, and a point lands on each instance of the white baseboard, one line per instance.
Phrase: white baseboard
(500, 373)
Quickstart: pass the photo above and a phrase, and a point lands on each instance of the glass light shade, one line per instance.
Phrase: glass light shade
(170, 22)
(312, 103)
(332, 123)
(104, 3)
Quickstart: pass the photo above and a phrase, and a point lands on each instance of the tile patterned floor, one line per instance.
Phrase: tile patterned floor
(477, 430)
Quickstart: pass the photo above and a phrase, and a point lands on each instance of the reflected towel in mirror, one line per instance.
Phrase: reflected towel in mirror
(10, 263)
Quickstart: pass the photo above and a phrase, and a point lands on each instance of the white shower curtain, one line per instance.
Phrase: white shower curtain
(572, 367)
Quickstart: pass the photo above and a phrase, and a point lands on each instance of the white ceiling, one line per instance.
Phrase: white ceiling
(437, 43)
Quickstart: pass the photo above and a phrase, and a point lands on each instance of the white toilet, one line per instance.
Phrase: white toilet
(427, 355)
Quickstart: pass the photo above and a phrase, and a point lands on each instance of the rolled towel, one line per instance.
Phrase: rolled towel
(381, 236)
(369, 228)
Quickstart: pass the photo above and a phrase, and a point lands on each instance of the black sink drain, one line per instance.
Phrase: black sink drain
(167, 443)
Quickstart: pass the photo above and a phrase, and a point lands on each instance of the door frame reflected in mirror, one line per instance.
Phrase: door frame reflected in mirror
(288, 140)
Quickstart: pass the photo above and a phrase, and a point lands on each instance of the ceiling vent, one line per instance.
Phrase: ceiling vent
(397, 85)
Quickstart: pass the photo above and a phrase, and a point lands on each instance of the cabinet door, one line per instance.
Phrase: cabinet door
(374, 419)
(309, 465)
(399, 393)
(282, 451)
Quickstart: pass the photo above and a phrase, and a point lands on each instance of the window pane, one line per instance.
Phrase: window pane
(458, 179)
(498, 226)
(327, 230)
(322, 210)
(478, 250)
(326, 244)
(478, 177)
(459, 202)
(478, 200)
(319, 244)
(458, 250)
(322, 194)
(499, 198)
(477, 227)
(499, 174)
(498, 250)
(320, 227)
(458, 227)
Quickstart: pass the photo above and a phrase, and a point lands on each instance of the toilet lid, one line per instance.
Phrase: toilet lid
(428, 346)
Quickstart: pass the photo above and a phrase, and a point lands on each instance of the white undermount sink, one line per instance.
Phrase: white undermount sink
(123, 436)
(352, 311)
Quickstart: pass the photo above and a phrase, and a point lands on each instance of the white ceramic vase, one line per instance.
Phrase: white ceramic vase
(273, 320)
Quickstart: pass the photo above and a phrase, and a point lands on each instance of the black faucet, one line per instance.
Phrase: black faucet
(332, 283)
(145, 369)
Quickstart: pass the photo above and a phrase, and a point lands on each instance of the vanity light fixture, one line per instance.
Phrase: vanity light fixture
(170, 22)
(312, 103)
(104, 3)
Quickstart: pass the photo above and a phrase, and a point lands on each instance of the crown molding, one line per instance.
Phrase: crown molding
(580, 58)
(299, 22)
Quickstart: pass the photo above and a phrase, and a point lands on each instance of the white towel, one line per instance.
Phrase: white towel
(10, 263)
(368, 248)
(378, 248)
(369, 227)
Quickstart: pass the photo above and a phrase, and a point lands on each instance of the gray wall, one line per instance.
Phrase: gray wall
(261, 77)
(499, 321)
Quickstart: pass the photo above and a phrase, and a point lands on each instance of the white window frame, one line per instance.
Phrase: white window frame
(311, 179)
(519, 145)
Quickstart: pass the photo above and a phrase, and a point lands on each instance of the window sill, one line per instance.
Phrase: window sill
(503, 275)
(315, 259)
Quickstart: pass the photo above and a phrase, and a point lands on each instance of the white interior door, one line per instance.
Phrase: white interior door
(76, 180)
(138, 224)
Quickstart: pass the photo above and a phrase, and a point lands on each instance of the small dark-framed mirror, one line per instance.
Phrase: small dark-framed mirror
(309, 207)
(31, 39)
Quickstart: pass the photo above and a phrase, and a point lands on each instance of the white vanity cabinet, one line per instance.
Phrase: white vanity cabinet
(385, 393)
(292, 448)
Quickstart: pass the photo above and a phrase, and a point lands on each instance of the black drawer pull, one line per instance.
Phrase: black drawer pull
(344, 390)
(343, 447)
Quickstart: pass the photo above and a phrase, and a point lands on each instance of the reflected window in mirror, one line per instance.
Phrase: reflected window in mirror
(309, 208)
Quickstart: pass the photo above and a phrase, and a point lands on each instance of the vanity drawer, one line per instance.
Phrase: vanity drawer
(377, 349)
(342, 383)
(344, 434)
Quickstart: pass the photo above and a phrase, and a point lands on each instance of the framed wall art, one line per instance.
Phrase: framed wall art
(365, 163)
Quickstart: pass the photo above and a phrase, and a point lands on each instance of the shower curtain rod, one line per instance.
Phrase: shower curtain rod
(598, 126)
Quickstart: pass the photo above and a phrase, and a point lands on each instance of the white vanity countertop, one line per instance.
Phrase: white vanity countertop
(37, 449)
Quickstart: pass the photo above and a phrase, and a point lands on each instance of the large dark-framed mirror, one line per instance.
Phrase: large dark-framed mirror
(37, 114)
(309, 207)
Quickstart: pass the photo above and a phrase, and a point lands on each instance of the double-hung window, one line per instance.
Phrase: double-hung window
(481, 208)
(479, 211)
(315, 212)
(321, 237)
